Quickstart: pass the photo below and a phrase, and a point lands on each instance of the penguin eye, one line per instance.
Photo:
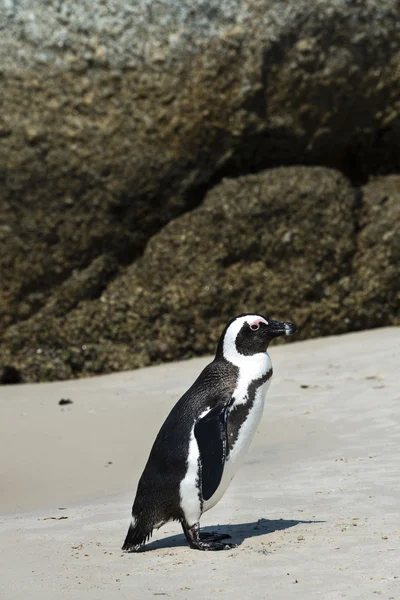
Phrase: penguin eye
(255, 326)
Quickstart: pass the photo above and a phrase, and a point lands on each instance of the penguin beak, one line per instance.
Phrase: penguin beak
(277, 328)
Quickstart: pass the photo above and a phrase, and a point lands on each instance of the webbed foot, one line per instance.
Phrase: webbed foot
(205, 541)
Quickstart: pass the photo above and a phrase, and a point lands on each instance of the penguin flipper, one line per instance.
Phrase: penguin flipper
(211, 435)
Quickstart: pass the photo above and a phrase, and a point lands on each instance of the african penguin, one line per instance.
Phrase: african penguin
(205, 437)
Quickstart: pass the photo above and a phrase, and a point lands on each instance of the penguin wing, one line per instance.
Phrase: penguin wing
(211, 436)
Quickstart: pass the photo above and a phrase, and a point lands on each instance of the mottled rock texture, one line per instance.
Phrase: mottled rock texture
(118, 116)
(292, 242)
(375, 281)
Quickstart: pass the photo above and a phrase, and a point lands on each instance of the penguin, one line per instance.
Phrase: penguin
(206, 435)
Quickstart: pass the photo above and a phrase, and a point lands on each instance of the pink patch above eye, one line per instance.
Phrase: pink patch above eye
(254, 325)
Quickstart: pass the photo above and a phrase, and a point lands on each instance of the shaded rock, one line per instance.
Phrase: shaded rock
(332, 91)
(125, 110)
(118, 117)
(276, 243)
(375, 277)
(114, 159)
(10, 375)
(295, 243)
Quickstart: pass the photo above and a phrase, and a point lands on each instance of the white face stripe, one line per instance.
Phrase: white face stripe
(230, 351)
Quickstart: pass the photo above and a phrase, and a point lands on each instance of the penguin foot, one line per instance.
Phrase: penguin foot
(213, 536)
(213, 546)
(205, 541)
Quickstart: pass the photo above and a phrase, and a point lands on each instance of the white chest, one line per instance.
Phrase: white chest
(249, 426)
(242, 438)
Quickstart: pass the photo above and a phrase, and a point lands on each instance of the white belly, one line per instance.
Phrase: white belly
(238, 452)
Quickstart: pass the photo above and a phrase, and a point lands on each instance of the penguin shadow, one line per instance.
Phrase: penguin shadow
(238, 532)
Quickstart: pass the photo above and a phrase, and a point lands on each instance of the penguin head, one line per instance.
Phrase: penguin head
(250, 334)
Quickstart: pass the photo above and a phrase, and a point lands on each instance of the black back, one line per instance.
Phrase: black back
(158, 486)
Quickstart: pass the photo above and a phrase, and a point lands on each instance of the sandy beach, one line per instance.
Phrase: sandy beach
(315, 510)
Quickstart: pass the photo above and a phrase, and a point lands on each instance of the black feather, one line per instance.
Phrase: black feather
(137, 535)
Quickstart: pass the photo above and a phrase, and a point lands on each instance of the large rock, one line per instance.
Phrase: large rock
(375, 271)
(117, 117)
(94, 160)
(283, 242)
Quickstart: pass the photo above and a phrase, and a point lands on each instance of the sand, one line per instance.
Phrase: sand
(315, 510)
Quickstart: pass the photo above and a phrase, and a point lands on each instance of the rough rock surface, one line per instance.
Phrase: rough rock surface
(95, 161)
(118, 116)
(295, 242)
(375, 270)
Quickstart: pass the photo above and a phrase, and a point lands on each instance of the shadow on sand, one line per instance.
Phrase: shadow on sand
(239, 532)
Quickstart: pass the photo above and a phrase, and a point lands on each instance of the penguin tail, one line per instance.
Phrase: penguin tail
(138, 534)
